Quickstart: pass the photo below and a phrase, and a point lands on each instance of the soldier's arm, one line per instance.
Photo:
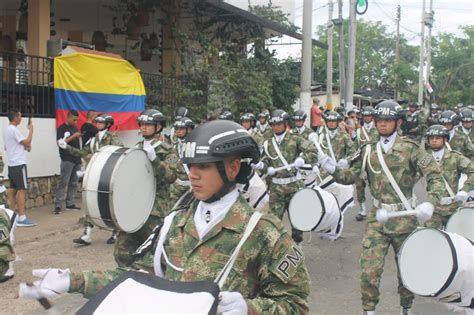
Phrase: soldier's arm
(284, 279)
(85, 151)
(116, 141)
(427, 166)
(165, 170)
(468, 148)
(466, 166)
(308, 149)
(351, 147)
(350, 175)
(90, 282)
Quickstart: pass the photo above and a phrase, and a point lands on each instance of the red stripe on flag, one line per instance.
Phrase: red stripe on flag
(122, 121)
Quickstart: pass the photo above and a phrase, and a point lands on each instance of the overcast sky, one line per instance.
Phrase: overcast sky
(449, 15)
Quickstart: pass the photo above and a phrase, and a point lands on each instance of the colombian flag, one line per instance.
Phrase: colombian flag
(109, 85)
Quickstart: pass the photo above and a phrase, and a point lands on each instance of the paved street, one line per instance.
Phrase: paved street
(333, 266)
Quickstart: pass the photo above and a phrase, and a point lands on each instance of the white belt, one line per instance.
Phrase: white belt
(183, 182)
(445, 201)
(286, 180)
(390, 207)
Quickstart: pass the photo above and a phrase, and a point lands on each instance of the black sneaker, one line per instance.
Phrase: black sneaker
(57, 210)
(73, 208)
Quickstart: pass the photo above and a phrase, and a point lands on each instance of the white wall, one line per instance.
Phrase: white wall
(43, 160)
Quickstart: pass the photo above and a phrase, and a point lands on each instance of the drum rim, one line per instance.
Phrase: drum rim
(454, 268)
(111, 193)
(459, 210)
(323, 210)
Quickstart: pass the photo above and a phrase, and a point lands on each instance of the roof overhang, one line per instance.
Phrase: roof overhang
(272, 29)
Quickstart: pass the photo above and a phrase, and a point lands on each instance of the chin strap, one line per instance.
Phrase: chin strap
(226, 188)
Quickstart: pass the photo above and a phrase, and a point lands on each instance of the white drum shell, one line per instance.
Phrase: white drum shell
(344, 193)
(314, 209)
(132, 189)
(462, 223)
(256, 193)
(421, 254)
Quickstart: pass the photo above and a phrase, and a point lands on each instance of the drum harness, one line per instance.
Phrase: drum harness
(180, 182)
(445, 201)
(328, 140)
(224, 273)
(405, 203)
(280, 181)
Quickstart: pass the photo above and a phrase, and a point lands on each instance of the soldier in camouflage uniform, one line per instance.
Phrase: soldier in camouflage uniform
(404, 158)
(299, 117)
(452, 164)
(414, 125)
(101, 139)
(458, 141)
(7, 254)
(466, 115)
(333, 140)
(182, 127)
(164, 161)
(283, 148)
(365, 134)
(269, 275)
(263, 126)
(433, 117)
(248, 120)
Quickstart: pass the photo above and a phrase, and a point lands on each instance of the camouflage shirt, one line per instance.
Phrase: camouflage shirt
(369, 135)
(269, 272)
(266, 133)
(164, 166)
(342, 145)
(94, 144)
(452, 164)
(305, 134)
(404, 160)
(257, 136)
(6, 248)
(415, 124)
(460, 142)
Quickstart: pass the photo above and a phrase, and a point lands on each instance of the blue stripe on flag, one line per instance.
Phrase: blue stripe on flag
(101, 102)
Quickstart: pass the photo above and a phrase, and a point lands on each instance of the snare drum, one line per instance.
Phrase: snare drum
(462, 223)
(344, 193)
(438, 264)
(119, 188)
(314, 209)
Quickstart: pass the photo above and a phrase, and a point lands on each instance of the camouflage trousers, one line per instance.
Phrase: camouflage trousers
(375, 247)
(4, 265)
(278, 205)
(127, 243)
(360, 190)
(441, 216)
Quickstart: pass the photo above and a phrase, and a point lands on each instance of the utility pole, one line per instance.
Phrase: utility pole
(397, 52)
(306, 56)
(342, 65)
(351, 56)
(429, 23)
(422, 57)
(329, 56)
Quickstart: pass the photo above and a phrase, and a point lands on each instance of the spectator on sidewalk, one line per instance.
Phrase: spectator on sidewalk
(88, 129)
(316, 114)
(16, 147)
(70, 164)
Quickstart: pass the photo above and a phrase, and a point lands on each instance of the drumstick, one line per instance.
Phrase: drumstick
(45, 303)
(313, 137)
(272, 170)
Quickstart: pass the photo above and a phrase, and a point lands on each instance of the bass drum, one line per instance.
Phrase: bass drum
(314, 209)
(119, 188)
(462, 223)
(344, 193)
(438, 264)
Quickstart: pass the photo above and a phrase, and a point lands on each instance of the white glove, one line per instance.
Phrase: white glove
(327, 163)
(62, 144)
(54, 283)
(299, 162)
(259, 166)
(343, 164)
(67, 134)
(424, 212)
(150, 151)
(461, 196)
(271, 171)
(316, 170)
(231, 303)
(313, 137)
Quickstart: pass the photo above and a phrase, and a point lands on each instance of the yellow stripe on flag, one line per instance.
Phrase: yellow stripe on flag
(97, 74)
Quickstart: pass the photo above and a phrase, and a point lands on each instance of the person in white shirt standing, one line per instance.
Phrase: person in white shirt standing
(16, 147)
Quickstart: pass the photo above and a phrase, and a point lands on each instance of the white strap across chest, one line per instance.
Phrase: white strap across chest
(328, 139)
(280, 155)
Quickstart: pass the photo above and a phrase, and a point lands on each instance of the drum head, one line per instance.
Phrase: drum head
(306, 210)
(462, 223)
(426, 261)
(133, 190)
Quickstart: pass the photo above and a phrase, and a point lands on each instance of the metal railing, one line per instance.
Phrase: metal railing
(26, 82)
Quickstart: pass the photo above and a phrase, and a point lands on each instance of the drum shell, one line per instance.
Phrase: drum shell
(96, 199)
(462, 223)
(344, 193)
(458, 287)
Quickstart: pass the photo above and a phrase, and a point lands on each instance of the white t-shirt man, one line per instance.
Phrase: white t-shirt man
(16, 151)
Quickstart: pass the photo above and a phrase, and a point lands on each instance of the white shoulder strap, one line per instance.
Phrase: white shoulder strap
(224, 273)
(277, 149)
(328, 139)
(450, 191)
(392, 181)
(365, 133)
(156, 144)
